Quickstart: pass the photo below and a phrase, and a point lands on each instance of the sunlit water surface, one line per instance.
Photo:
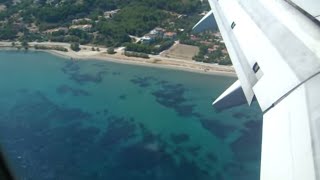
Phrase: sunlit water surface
(61, 119)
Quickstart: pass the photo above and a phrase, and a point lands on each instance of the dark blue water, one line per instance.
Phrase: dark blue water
(61, 119)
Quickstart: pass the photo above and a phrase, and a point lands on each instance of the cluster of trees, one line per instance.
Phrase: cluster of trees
(136, 54)
(136, 17)
(139, 48)
(225, 61)
(57, 48)
(32, 37)
(188, 42)
(62, 11)
(111, 34)
(203, 50)
(8, 32)
(75, 46)
(74, 35)
(134, 20)
(138, 20)
(25, 45)
(216, 56)
(95, 49)
(143, 48)
(5, 1)
(164, 46)
(178, 6)
(111, 50)
(67, 10)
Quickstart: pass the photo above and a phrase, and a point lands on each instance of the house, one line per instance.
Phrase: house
(207, 43)
(110, 14)
(170, 35)
(224, 51)
(81, 21)
(2, 7)
(214, 48)
(211, 50)
(33, 29)
(217, 35)
(145, 40)
(18, 26)
(50, 31)
(3, 23)
(194, 38)
(85, 27)
(203, 13)
(159, 32)
(148, 38)
(160, 29)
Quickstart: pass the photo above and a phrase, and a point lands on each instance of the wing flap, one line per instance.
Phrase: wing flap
(310, 6)
(257, 36)
(206, 23)
(275, 50)
(232, 97)
(239, 61)
(290, 139)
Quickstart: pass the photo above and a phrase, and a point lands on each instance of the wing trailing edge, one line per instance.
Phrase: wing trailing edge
(232, 97)
(270, 43)
(206, 23)
(309, 6)
(274, 48)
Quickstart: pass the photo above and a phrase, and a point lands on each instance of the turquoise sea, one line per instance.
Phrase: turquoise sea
(63, 119)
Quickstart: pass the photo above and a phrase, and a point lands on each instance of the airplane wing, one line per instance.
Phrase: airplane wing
(274, 46)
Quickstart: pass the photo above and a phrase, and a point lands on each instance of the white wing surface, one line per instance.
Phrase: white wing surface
(309, 6)
(274, 46)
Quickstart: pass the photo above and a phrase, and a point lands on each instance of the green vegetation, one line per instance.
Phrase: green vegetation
(136, 54)
(25, 45)
(211, 48)
(154, 48)
(139, 48)
(136, 17)
(138, 20)
(75, 46)
(8, 32)
(202, 51)
(110, 23)
(57, 48)
(111, 50)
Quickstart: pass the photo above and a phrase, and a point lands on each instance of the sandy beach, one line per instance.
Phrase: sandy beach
(86, 53)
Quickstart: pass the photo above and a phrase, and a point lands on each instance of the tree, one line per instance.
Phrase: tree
(75, 46)
(25, 45)
(8, 32)
(139, 48)
(225, 61)
(111, 50)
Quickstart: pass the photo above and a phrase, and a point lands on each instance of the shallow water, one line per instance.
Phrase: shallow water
(61, 119)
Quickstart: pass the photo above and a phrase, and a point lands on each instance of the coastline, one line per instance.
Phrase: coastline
(154, 61)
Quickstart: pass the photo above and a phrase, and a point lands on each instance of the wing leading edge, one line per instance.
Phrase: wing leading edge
(275, 50)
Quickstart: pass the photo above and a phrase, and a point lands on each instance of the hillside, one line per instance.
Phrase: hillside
(147, 26)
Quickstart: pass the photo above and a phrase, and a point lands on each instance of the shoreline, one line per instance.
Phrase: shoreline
(156, 61)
